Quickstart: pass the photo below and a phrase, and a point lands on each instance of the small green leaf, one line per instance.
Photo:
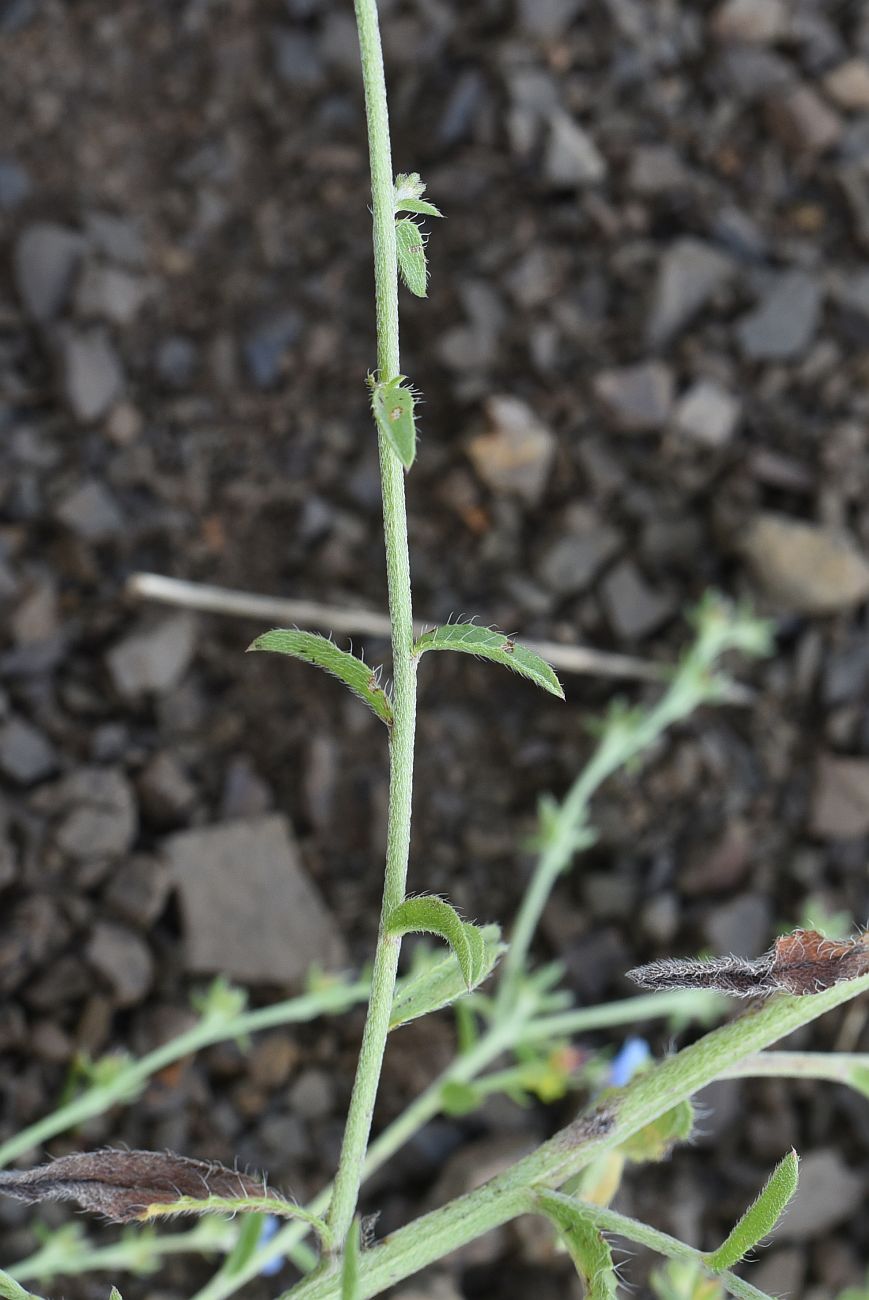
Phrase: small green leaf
(392, 405)
(459, 1099)
(437, 980)
(350, 1286)
(656, 1140)
(319, 650)
(684, 1280)
(410, 249)
(249, 1236)
(115, 1294)
(12, 1290)
(470, 639)
(431, 915)
(420, 206)
(409, 190)
(586, 1245)
(760, 1218)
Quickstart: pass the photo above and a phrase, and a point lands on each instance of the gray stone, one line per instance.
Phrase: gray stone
(572, 158)
(312, 1096)
(176, 361)
(634, 608)
(803, 567)
(117, 238)
(571, 562)
(852, 293)
(15, 185)
(784, 322)
(92, 373)
(657, 169)
(547, 19)
(637, 399)
(689, 274)
(515, 456)
(753, 21)
(848, 85)
(44, 263)
(740, 926)
(110, 294)
(165, 791)
(90, 511)
(707, 413)
(267, 343)
(828, 1193)
(249, 910)
(840, 798)
(803, 122)
(138, 889)
(35, 618)
(154, 658)
(25, 753)
(123, 960)
(101, 821)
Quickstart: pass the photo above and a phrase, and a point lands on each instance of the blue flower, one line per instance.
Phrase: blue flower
(631, 1056)
(269, 1228)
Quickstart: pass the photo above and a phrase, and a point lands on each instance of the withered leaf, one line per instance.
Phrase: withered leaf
(807, 962)
(122, 1184)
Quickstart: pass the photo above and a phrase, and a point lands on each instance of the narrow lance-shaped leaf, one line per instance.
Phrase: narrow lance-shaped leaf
(12, 1290)
(115, 1294)
(410, 248)
(432, 915)
(437, 981)
(586, 1245)
(319, 650)
(392, 405)
(760, 1218)
(469, 639)
(350, 1286)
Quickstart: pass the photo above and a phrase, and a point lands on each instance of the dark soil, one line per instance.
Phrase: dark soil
(658, 242)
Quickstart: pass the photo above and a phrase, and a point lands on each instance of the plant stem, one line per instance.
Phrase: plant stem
(609, 1221)
(836, 1067)
(358, 1127)
(130, 1078)
(610, 1122)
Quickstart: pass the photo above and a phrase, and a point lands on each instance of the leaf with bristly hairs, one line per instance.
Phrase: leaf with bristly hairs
(586, 1245)
(760, 1218)
(468, 638)
(314, 649)
(436, 980)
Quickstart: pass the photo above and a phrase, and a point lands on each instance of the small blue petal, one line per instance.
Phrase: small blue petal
(633, 1053)
(269, 1229)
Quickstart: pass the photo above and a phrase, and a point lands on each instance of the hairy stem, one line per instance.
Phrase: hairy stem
(610, 1122)
(349, 1176)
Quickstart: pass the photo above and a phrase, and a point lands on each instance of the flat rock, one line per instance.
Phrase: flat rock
(111, 294)
(138, 889)
(804, 567)
(115, 237)
(36, 616)
(154, 658)
(636, 399)
(829, 1192)
(515, 455)
(784, 322)
(571, 562)
(91, 512)
(741, 925)
(123, 960)
(92, 373)
(633, 607)
(756, 22)
(248, 908)
(165, 791)
(44, 262)
(26, 755)
(848, 85)
(689, 274)
(101, 818)
(803, 122)
(572, 158)
(707, 414)
(840, 798)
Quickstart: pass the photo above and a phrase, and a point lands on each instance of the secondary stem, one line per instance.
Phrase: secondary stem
(358, 1128)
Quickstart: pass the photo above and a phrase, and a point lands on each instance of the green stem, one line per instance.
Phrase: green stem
(609, 1221)
(518, 1026)
(610, 1122)
(132, 1076)
(836, 1067)
(358, 1127)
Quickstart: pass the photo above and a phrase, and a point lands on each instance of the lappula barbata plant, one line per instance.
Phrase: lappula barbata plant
(514, 1023)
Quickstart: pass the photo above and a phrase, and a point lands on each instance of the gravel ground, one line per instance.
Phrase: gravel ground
(644, 357)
